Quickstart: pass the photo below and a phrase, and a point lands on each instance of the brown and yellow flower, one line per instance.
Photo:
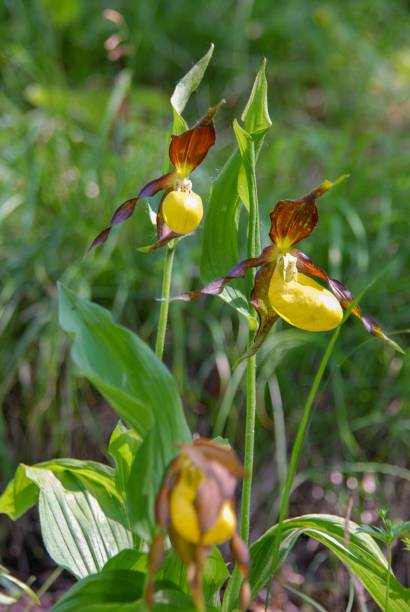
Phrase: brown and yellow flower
(196, 507)
(181, 209)
(284, 284)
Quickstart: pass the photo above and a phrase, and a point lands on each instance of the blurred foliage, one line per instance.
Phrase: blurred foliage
(84, 120)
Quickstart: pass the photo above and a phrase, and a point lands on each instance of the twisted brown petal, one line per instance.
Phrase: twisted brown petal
(126, 209)
(155, 557)
(345, 297)
(260, 301)
(241, 555)
(295, 219)
(216, 286)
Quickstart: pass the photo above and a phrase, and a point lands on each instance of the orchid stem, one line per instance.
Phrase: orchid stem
(253, 250)
(249, 447)
(296, 450)
(165, 292)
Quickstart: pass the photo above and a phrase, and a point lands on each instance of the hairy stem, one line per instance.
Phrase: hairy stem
(165, 291)
(296, 450)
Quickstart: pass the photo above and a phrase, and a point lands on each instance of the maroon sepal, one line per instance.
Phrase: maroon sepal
(216, 286)
(295, 219)
(159, 243)
(126, 209)
(266, 314)
(344, 296)
(188, 150)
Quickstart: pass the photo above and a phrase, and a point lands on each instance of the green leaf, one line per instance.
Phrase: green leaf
(120, 589)
(15, 587)
(220, 246)
(108, 591)
(21, 493)
(123, 446)
(139, 388)
(360, 554)
(185, 88)
(256, 114)
(82, 523)
(130, 559)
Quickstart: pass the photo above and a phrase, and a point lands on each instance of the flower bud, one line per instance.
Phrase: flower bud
(182, 211)
(304, 303)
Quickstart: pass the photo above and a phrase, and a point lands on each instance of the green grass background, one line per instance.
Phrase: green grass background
(80, 133)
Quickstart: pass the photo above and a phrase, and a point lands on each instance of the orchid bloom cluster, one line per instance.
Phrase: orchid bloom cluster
(196, 507)
(284, 286)
(181, 209)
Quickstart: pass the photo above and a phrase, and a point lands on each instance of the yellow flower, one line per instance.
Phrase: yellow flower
(284, 286)
(196, 506)
(181, 210)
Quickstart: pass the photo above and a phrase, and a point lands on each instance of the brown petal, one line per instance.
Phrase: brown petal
(241, 554)
(208, 503)
(125, 210)
(187, 150)
(345, 297)
(216, 286)
(159, 243)
(293, 220)
(203, 451)
(260, 301)
(155, 557)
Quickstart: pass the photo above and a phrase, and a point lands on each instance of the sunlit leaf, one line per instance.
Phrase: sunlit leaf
(21, 493)
(82, 515)
(123, 446)
(185, 87)
(256, 114)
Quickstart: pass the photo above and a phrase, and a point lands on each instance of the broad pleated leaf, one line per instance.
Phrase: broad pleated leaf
(82, 516)
(22, 493)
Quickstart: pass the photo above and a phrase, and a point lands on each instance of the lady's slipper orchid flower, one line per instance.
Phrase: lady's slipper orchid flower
(181, 209)
(284, 286)
(196, 506)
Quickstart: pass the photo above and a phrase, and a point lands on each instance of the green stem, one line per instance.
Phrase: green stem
(253, 251)
(254, 247)
(296, 450)
(249, 447)
(163, 313)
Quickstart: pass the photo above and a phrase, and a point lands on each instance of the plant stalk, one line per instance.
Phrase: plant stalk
(296, 450)
(165, 292)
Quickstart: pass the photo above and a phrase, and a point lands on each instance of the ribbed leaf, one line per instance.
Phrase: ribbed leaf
(360, 554)
(82, 527)
(21, 493)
